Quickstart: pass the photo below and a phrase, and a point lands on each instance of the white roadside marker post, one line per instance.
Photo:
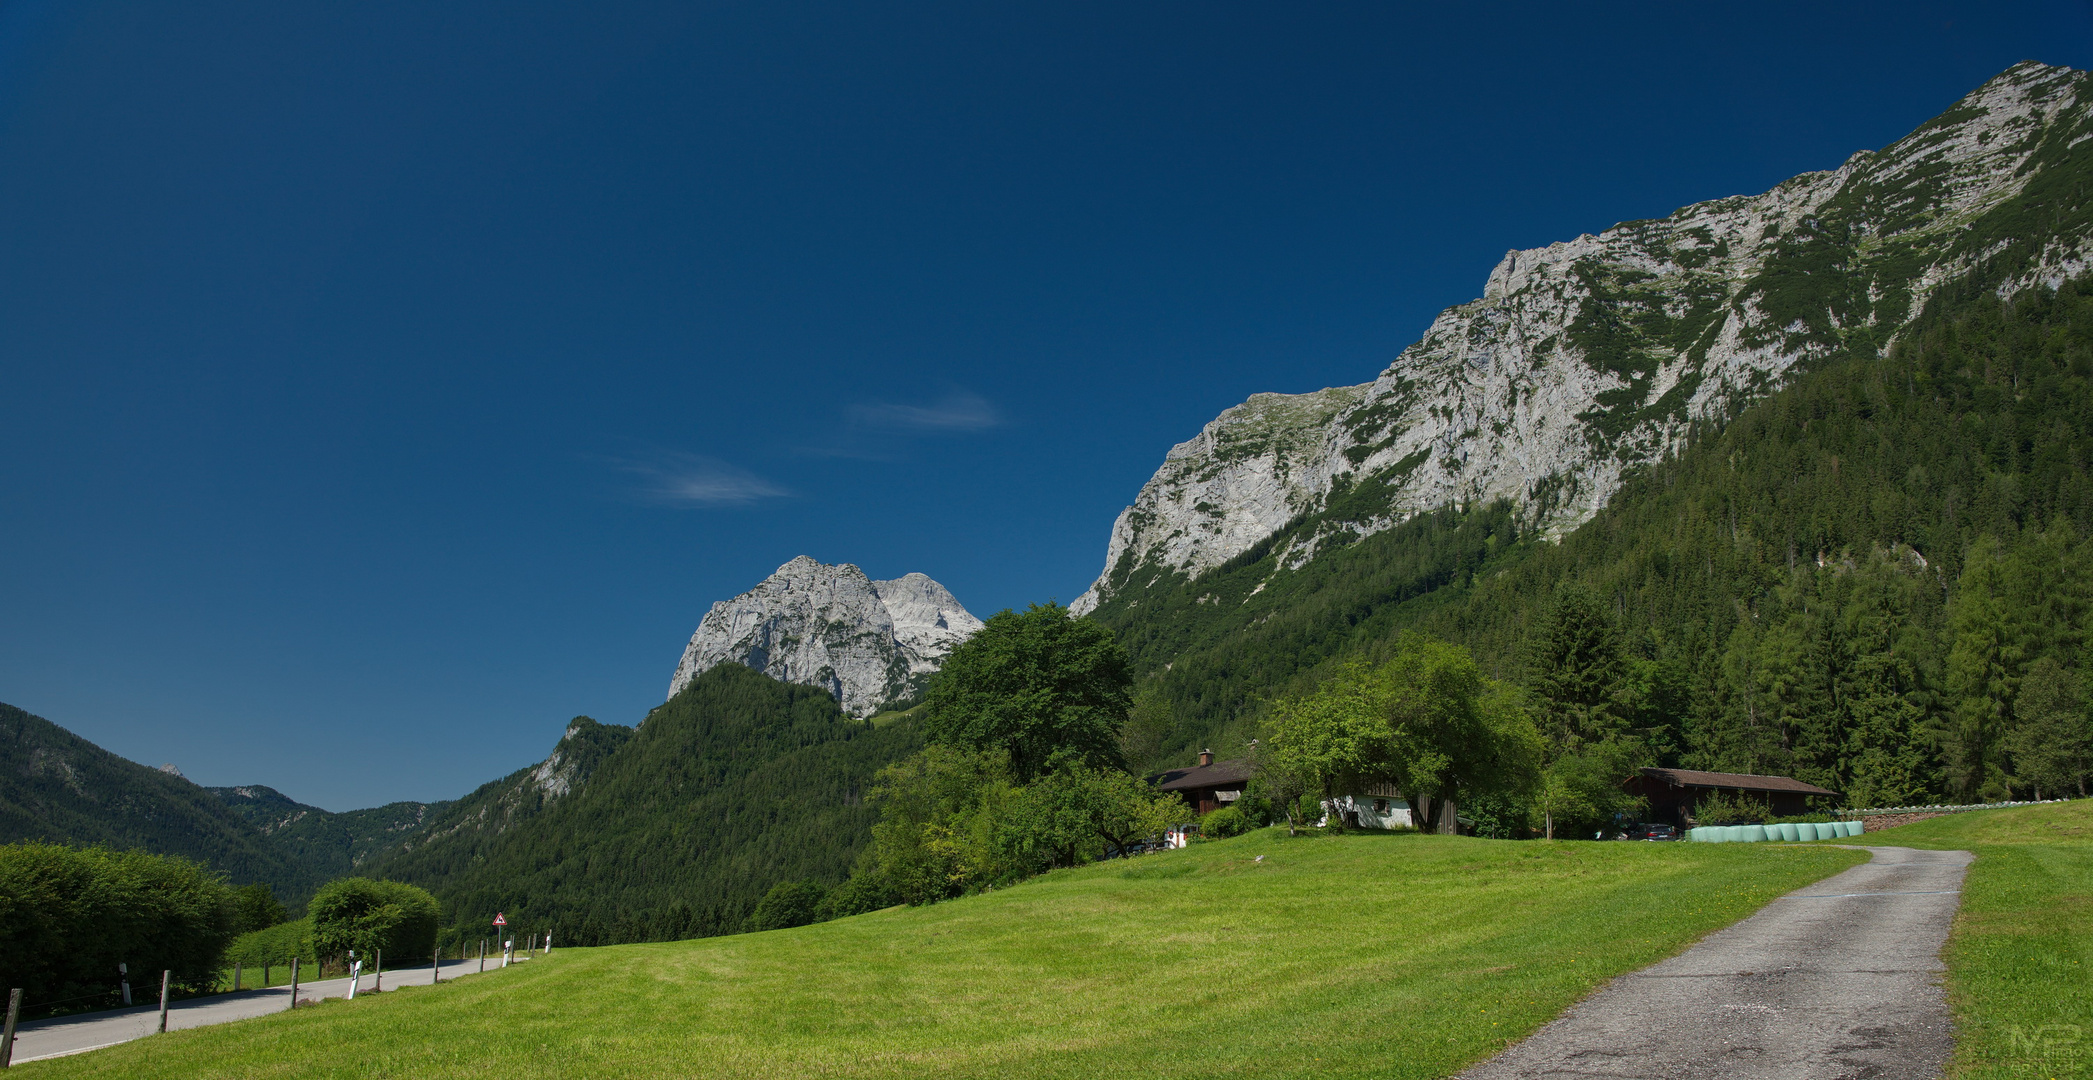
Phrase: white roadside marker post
(379, 984)
(123, 972)
(7, 1034)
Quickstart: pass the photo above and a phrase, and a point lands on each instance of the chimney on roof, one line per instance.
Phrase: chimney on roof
(1206, 757)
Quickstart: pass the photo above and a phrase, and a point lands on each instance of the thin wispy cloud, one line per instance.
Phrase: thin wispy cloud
(886, 430)
(696, 480)
(959, 410)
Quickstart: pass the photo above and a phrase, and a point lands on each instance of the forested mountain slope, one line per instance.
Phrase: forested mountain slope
(674, 829)
(1877, 579)
(327, 844)
(56, 786)
(1866, 572)
(1587, 359)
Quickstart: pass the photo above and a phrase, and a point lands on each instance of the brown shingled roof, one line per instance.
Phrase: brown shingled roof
(1741, 781)
(1219, 774)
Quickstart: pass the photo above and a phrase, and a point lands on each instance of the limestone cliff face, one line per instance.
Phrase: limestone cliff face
(1587, 357)
(864, 641)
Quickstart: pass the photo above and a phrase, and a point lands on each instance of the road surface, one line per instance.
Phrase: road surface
(64, 1035)
(1839, 979)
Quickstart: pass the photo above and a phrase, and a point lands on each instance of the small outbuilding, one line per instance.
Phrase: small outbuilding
(1371, 806)
(1209, 785)
(1673, 793)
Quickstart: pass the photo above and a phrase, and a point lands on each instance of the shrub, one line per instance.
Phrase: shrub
(278, 944)
(788, 904)
(370, 916)
(1257, 809)
(1224, 823)
(69, 916)
(1309, 810)
(1722, 808)
(257, 908)
(862, 893)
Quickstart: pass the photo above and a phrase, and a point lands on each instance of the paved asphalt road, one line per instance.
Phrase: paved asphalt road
(1840, 979)
(92, 1031)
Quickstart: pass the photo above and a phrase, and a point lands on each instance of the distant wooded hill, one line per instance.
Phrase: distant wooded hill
(57, 786)
(672, 830)
(325, 843)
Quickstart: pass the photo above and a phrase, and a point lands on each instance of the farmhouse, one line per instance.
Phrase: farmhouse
(1209, 785)
(1673, 793)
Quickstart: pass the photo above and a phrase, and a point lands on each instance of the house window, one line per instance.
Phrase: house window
(1380, 806)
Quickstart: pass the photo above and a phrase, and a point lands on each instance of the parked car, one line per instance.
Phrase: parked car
(1654, 831)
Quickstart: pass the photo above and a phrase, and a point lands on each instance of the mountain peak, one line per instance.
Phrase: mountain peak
(866, 642)
(1590, 357)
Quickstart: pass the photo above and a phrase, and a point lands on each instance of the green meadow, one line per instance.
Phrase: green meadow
(1383, 955)
(2020, 961)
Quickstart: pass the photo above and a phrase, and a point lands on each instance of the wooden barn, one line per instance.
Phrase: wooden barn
(1673, 793)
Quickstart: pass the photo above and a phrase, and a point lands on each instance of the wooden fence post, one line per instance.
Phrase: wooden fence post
(236, 977)
(378, 981)
(165, 976)
(294, 984)
(7, 1034)
(483, 956)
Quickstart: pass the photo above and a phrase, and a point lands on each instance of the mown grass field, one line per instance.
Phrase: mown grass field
(1363, 955)
(2020, 961)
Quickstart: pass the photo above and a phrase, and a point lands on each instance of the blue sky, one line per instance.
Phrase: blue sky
(386, 383)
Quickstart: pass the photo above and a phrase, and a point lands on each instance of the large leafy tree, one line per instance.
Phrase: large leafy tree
(1036, 685)
(1456, 734)
(1319, 742)
(1425, 720)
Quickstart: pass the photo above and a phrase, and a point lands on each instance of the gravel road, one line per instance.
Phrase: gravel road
(91, 1031)
(1837, 980)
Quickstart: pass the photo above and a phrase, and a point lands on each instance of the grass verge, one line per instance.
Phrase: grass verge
(1372, 955)
(2020, 959)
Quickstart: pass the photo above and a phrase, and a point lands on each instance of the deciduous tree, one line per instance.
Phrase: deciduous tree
(1034, 685)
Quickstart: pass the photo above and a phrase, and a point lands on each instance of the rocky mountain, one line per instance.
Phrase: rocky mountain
(1590, 357)
(866, 642)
